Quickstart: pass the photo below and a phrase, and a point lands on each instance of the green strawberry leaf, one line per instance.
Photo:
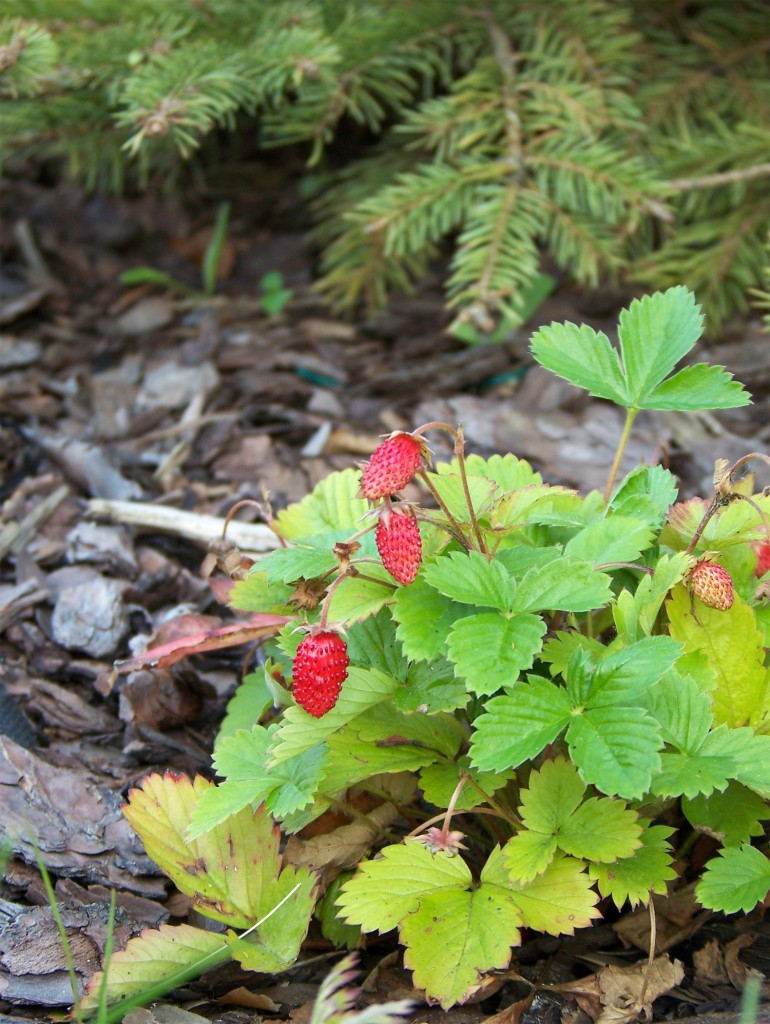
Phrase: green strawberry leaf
(733, 816)
(424, 617)
(567, 584)
(258, 594)
(582, 356)
(247, 705)
(519, 724)
(616, 749)
(508, 472)
(736, 880)
(331, 505)
(355, 598)
(683, 711)
(647, 492)
(353, 760)
(705, 769)
(490, 650)
(471, 578)
(449, 485)
(430, 687)
(615, 539)
(440, 780)
(698, 387)
(647, 870)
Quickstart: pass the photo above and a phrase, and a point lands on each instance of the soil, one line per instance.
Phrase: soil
(123, 407)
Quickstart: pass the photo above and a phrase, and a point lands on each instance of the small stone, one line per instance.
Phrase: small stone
(89, 616)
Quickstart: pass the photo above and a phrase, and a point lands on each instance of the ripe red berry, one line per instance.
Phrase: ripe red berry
(392, 465)
(399, 543)
(763, 559)
(712, 584)
(320, 668)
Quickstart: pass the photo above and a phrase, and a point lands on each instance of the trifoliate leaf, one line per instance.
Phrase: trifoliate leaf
(582, 356)
(490, 650)
(616, 749)
(735, 650)
(331, 505)
(299, 731)
(424, 617)
(470, 578)
(155, 962)
(732, 817)
(633, 878)
(518, 725)
(440, 780)
(454, 936)
(615, 539)
(567, 584)
(230, 871)
(736, 880)
(559, 900)
(384, 891)
(655, 332)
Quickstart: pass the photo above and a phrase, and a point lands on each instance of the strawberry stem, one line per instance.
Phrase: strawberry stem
(457, 531)
(460, 453)
(434, 425)
(631, 415)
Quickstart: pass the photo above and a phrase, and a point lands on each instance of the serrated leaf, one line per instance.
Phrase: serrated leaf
(372, 644)
(683, 711)
(654, 333)
(558, 651)
(331, 505)
(565, 584)
(258, 594)
(242, 761)
(384, 891)
(508, 471)
(702, 770)
(582, 356)
(491, 650)
(156, 961)
(633, 878)
(559, 900)
(431, 687)
(424, 617)
(698, 387)
(471, 578)
(450, 487)
(735, 650)
(646, 492)
(353, 760)
(230, 872)
(528, 854)
(602, 830)
(754, 765)
(636, 615)
(529, 504)
(332, 927)
(299, 731)
(736, 880)
(386, 726)
(286, 565)
(456, 935)
(517, 726)
(616, 749)
(733, 817)
(356, 598)
(247, 705)
(617, 538)
(628, 672)
(440, 780)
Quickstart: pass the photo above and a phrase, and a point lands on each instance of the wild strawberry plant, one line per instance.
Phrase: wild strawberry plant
(550, 692)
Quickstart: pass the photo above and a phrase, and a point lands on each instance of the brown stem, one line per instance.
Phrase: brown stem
(441, 504)
(327, 599)
(715, 505)
(434, 425)
(460, 453)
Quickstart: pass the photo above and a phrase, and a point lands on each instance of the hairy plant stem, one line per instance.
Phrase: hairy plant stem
(456, 529)
(631, 415)
(460, 453)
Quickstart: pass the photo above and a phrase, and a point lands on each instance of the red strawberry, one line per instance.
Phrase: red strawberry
(712, 584)
(392, 465)
(320, 667)
(399, 544)
(763, 559)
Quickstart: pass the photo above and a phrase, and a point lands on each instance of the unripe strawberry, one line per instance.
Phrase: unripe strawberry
(392, 465)
(763, 559)
(320, 668)
(399, 543)
(712, 584)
